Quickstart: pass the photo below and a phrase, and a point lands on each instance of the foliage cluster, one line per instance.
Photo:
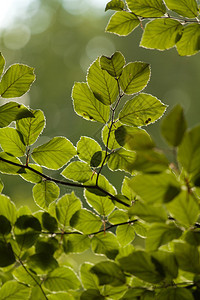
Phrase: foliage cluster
(158, 203)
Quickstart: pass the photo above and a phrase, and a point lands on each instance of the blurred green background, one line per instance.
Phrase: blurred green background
(60, 39)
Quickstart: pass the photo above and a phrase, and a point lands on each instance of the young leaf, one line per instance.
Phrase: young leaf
(45, 192)
(140, 264)
(42, 262)
(55, 153)
(156, 188)
(125, 234)
(31, 128)
(8, 209)
(88, 279)
(87, 106)
(122, 23)
(103, 86)
(6, 167)
(14, 291)
(66, 206)
(121, 160)
(109, 272)
(105, 243)
(2, 63)
(135, 77)
(114, 64)
(142, 110)
(86, 149)
(173, 126)
(118, 216)
(177, 293)
(16, 81)
(61, 279)
(147, 8)
(76, 243)
(101, 204)
(12, 141)
(7, 256)
(30, 176)
(189, 150)
(85, 221)
(160, 234)
(185, 8)
(184, 208)
(78, 171)
(189, 42)
(161, 34)
(13, 111)
(115, 5)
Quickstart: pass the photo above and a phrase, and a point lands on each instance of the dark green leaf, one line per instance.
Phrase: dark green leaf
(109, 273)
(55, 153)
(185, 8)
(142, 110)
(16, 81)
(91, 294)
(7, 256)
(134, 293)
(45, 192)
(161, 34)
(122, 23)
(49, 222)
(177, 293)
(103, 86)
(193, 237)
(86, 221)
(75, 243)
(114, 64)
(13, 111)
(46, 245)
(12, 290)
(174, 125)
(105, 243)
(189, 42)
(135, 77)
(31, 128)
(168, 263)
(5, 225)
(42, 262)
(12, 142)
(147, 8)
(115, 5)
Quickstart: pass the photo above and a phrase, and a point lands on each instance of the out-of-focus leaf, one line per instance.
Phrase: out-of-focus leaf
(147, 8)
(42, 262)
(115, 5)
(45, 192)
(49, 222)
(7, 256)
(189, 42)
(46, 245)
(122, 23)
(185, 8)
(168, 263)
(5, 225)
(16, 81)
(13, 290)
(91, 294)
(26, 277)
(2, 63)
(177, 293)
(114, 64)
(89, 280)
(12, 142)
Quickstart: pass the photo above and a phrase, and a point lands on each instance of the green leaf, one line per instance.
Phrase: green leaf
(140, 264)
(134, 293)
(167, 262)
(60, 296)
(161, 34)
(142, 110)
(105, 243)
(16, 81)
(185, 8)
(125, 234)
(31, 128)
(86, 221)
(115, 5)
(8, 209)
(135, 77)
(30, 176)
(150, 161)
(155, 188)
(184, 208)
(13, 111)
(42, 262)
(75, 243)
(160, 234)
(78, 171)
(174, 125)
(103, 86)
(88, 279)
(187, 257)
(9, 168)
(87, 106)
(12, 141)
(86, 148)
(118, 216)
(1, 185)
(7, 256)
(177, 293)
(66, 207)
(45, 192)
(54, 154)
(193, 237)
(49, 222)
(147, 8)
(122, 23)
(189, 42)
(147, 212)
(103, 184)
(114, 64)
(5, 225)
(21, 275)
(2, 63)
(109, 272)
(61, 279)
(189, 150)
(91, 294)
(46, 245)
(12, 290)
(101, 204)
(126, 190)
(121, 159)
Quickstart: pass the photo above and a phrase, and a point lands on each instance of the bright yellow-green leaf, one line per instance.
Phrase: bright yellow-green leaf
(8, 209)
(12, 290)
(2, 63)
(45, 192)
(125, 234)
(105, 243)
(121, 159)
(8, 168)
(30, 175)
(147, 8)
(86, 148)
(78, 171)
(185, 8)
(12, 142)
(189, 42)
(114, 64)
(76, 243)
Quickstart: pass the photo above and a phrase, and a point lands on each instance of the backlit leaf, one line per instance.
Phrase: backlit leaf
(103, 205)
(30, 176)
(189, 42)
(12, 290)
(45, 192)
(147, 8)
(177, 293)
(168, 263)
(118, 216)
(42, 262)
(76, 243)
(11, 141)
(86, 221)
(125, 234)
(55, 153)
(121, 159)
(114, 64)
(9, 168)
(142, 110)
(16, 81)
(89, 280)
(78, 171)
(122, 23)
(185, 8)
(105, 243)
(2, 63)
(91, 294)
(115, 5)
(8, 209)
(86, 148)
